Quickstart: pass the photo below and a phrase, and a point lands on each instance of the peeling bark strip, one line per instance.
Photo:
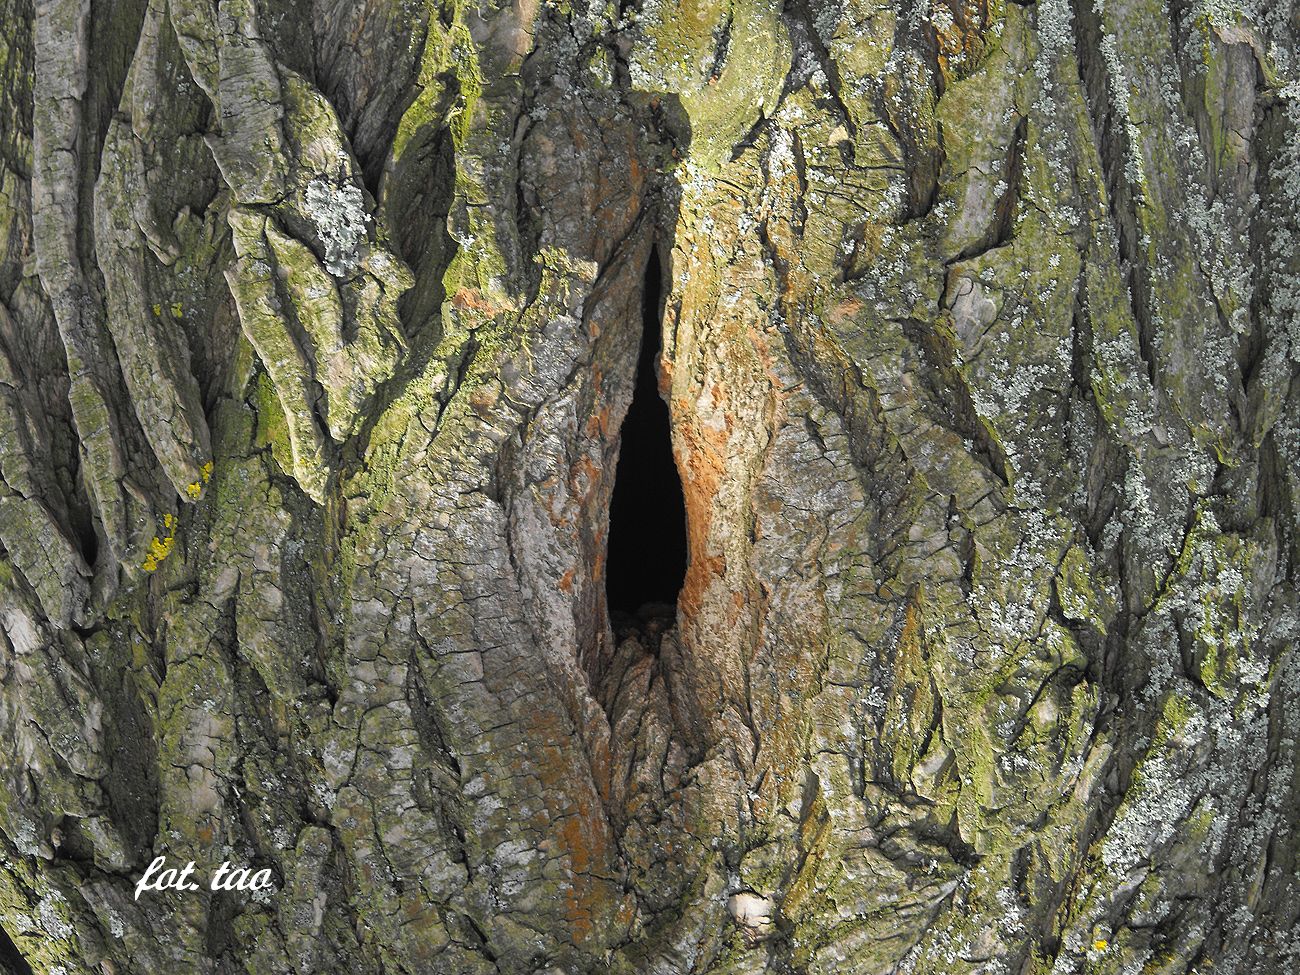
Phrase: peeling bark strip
(972, 377)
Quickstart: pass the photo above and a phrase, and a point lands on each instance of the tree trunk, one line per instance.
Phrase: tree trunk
(934, 611)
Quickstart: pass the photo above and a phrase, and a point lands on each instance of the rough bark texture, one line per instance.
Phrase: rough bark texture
(318, 322)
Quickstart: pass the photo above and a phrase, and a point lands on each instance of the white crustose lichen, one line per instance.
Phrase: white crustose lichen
(340, 216)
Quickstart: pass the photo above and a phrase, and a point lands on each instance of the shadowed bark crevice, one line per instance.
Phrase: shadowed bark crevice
(647, 513)
(12, 961)
(1114, 141)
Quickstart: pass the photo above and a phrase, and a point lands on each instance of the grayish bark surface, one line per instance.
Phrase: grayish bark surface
(318, 322)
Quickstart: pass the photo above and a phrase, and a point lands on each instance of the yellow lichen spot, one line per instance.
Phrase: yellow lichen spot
(157, 310)
(193, 490)
(1101, 944)
(160, 548)
(177, 309)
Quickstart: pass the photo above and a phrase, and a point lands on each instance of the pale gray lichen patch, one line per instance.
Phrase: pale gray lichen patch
(53, 922)
(339, 213)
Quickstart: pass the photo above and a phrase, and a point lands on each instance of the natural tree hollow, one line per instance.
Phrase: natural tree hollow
(647, 515)
(341, 519)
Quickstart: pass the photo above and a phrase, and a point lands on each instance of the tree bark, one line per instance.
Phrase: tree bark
(979, 340)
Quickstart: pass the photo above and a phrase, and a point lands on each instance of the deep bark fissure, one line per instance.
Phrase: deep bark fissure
(12, 961)
(646, 563)
(1114, 147)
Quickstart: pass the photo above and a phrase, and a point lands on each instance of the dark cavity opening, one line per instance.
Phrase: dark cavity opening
(647, 513)
(11, 960)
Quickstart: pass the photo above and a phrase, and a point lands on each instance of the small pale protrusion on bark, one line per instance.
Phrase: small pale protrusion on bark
(751, 910)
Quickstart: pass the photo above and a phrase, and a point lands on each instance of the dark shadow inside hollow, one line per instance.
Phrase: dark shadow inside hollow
(11, 960)
(646, 559)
